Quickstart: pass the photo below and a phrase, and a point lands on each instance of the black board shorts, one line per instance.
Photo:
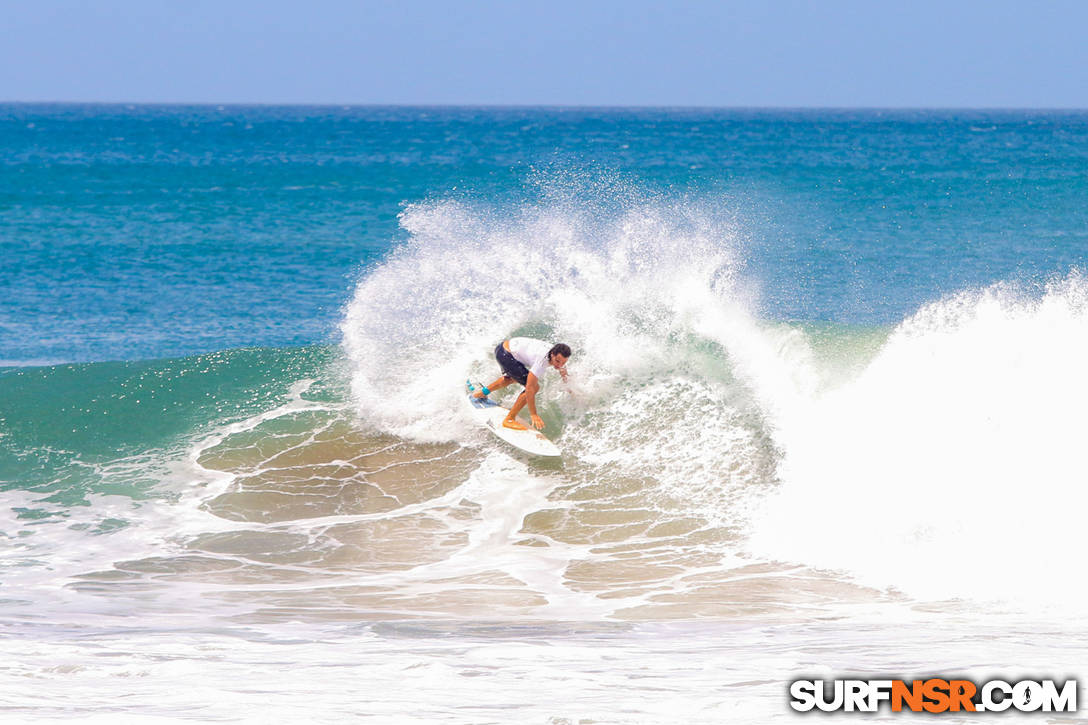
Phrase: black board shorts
(511, 368)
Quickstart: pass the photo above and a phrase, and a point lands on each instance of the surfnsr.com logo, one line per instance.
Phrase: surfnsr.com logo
(933, 695)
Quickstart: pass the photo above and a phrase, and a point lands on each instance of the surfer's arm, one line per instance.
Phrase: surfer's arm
(532, 384)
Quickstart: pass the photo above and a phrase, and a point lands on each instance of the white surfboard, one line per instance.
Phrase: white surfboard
(490, 415)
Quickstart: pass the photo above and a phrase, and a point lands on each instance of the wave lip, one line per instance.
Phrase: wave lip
(614, 279)
(951, 466)
(712, 462)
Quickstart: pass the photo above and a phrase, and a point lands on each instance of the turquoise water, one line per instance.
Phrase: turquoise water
(144, 232)
(233, 340)
(61, 422)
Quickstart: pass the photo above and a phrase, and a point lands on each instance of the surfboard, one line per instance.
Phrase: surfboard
(490, 415)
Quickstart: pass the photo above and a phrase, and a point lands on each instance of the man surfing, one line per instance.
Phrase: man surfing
(525, 360)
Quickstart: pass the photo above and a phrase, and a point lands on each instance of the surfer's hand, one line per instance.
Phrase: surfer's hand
(538, 423)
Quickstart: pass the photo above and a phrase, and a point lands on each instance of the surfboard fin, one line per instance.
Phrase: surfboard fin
(482, 387)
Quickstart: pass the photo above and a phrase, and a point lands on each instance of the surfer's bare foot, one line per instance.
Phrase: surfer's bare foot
(478, 394)
(512, 424)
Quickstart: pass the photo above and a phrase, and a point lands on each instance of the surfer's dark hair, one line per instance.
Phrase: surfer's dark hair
(559, 348)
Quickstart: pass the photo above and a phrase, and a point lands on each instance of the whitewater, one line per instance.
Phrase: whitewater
(725, 481)
(746, 496)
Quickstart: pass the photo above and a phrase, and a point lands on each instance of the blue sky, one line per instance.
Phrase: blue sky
(920, 53)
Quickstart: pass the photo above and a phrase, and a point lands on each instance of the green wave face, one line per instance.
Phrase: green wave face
(71, 430)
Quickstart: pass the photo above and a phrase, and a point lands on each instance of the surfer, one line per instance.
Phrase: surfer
(525, 360)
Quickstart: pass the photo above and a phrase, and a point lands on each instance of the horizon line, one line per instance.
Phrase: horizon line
(538, 106)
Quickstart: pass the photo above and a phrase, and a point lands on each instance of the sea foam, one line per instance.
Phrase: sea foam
(951, 466)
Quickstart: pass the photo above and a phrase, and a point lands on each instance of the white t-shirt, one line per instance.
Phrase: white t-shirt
(531, 353)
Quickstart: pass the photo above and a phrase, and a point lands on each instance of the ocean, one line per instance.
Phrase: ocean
(825, 417)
